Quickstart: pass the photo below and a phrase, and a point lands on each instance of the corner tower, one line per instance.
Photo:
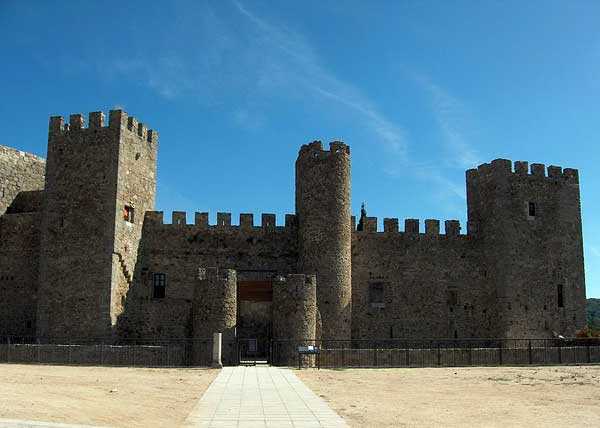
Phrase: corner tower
(528, 226)
(99, 182)
(324, 232)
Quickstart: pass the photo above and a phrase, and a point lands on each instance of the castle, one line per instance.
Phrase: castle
(83, 254)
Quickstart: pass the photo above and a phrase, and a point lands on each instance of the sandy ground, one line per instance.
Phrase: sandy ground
(553, 397)
(110, 396)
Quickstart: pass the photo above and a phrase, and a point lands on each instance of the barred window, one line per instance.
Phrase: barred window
(159, 283)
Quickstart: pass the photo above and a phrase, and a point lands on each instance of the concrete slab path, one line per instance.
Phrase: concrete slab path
(261, 396)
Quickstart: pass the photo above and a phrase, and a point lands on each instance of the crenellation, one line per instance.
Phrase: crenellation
(132, 124)
(571, 174)
(117, 119)
(201, 219)
(432, 227)
(76, 122)
(390, 225)
(291, 221)
(538, 170)
(501, 166)
(152, 136)
(142, 131)
(246, 221)
(179, 218)
(268, 220)
(411, 226)
(554, 171)
(452, 227)
(96, 120)
(521, 168)
(223, 219)
(370, 224)
(57, 124)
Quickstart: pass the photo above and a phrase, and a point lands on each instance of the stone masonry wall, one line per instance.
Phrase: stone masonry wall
(411, 285)
(19, 171)
(324, 235)
(179, 249)
(530, 256)
(19, 258)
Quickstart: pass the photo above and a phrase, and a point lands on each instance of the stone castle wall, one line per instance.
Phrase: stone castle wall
(530, 256)
(178, 249)
(19, 260)
(72, 263)
(19, 171)
(412, 285)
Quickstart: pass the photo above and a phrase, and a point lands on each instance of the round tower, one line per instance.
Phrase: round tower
(214, 310)
(324, 232)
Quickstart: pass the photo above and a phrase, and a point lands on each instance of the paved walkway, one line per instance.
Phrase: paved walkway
(265, 397)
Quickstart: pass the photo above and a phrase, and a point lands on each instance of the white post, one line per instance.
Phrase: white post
(217, 345)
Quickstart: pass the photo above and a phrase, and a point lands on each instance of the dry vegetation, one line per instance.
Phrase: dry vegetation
(119, 397)
(502, 397)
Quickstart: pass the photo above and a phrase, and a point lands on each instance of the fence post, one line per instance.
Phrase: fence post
(102, 352)
(8, 349)
(38, 350)
(134, 349)
(343, 355)
(375, 357)
(500, 352)
(559, 352)
(470, 353)
(439, 355)
(69, 353)
(589, 356)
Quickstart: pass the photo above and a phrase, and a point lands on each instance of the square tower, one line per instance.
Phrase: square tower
(100, 181)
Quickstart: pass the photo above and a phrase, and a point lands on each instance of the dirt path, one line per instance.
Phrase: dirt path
(120, 397)
(494, 397)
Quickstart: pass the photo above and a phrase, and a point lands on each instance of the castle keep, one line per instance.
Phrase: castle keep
(84, 254)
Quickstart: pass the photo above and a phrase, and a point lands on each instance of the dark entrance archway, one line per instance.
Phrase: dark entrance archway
(255, 316)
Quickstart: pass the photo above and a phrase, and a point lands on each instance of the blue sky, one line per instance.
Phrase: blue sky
(421, 91)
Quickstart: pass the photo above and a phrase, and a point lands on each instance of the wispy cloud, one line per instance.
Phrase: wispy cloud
(297, 64)
(454, 122)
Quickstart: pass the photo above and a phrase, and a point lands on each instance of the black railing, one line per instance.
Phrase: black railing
(442, 352)
(176, 352)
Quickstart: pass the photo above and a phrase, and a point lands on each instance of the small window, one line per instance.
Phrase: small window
(561, 302)
(376, 295)
(158, 285)
(452, 297)
(531, 209)
(128, 214)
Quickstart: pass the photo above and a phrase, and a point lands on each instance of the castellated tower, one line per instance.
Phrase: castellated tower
(99, 182)
(528, 225)
(324, 232)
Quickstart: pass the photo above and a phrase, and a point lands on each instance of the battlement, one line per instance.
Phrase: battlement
(246, 221)
(116, 119)
(315, 149)
(215, 273)
(504, 167)
(411, 227)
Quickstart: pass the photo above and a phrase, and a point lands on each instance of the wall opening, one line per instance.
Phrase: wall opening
(129, 214)
(560, 296)
(159, 285)
(531, 209)
(376, 295)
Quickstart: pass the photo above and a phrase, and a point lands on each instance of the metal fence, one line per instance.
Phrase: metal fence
(438, 352)
(184, 352)
(106, 352)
